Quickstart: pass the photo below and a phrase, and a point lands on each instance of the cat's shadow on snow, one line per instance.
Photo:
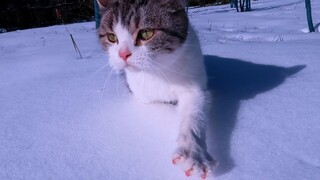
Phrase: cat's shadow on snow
(230, 81)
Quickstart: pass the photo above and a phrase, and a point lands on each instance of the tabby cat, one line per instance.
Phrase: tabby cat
(152, 42)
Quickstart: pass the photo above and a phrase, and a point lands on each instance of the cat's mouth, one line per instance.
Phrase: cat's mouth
(131, 67)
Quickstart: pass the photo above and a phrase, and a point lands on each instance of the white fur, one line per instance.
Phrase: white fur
(176, 76)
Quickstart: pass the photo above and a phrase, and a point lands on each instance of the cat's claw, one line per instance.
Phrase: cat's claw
(194, 162)
(204, 173)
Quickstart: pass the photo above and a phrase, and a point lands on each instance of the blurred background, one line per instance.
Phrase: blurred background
(24, 14)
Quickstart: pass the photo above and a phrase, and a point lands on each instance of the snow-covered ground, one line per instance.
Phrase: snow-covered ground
(62, 117)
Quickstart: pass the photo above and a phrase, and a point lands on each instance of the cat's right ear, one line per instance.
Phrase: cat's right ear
(103, 4)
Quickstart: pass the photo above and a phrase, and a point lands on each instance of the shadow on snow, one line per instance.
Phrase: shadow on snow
(230, 81)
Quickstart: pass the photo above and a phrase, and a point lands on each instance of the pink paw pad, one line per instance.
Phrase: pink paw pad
(176, 160)
(189, 172)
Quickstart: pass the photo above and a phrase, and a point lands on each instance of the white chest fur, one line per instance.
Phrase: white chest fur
(150, 88)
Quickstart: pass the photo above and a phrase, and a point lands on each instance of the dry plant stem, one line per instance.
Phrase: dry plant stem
(76, 48)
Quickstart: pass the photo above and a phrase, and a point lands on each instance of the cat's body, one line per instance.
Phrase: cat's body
(153, 43)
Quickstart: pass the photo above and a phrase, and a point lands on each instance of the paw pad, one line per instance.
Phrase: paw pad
(189, 172)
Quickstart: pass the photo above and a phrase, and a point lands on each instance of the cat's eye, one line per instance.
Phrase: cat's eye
(112, 38)
(146, 34)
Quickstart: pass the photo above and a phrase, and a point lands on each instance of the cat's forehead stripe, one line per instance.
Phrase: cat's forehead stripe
(130, 18)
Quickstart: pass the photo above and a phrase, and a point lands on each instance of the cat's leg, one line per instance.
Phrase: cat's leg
(192, 153)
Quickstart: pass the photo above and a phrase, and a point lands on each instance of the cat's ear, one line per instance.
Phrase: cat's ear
(103, 4)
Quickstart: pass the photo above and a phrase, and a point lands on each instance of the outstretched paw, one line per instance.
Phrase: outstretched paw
(194, 161)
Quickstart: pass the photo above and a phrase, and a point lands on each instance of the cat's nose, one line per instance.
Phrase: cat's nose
(125, 54)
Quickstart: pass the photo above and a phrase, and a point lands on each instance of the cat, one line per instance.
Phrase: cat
(153, 43)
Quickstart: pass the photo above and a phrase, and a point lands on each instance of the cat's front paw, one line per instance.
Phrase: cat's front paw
(194, 160)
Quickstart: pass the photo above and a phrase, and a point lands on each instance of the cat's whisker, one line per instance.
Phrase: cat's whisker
(165, 78)
(185, 45)
(159, 70)
(183, 74)
(155, 68)
(161, 73)
(170, 69)
(99, 70)
(117, 85)
(107, 79)
(104, 87)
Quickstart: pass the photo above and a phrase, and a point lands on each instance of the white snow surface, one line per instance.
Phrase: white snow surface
(62, 117)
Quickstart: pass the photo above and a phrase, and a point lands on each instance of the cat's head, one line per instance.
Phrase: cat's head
(135, 33)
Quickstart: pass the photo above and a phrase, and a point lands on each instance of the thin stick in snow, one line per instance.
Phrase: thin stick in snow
(76, 48)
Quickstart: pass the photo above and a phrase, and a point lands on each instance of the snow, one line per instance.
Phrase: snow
(62, 117)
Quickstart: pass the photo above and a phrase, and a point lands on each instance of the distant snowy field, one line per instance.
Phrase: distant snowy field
(62, 117)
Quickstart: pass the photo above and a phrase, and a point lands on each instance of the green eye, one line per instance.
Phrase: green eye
(112, 38)
(146, 34)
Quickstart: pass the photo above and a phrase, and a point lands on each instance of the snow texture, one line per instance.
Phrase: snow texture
(62, 117)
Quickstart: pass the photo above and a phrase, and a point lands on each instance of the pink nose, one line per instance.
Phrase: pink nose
(125, 54)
